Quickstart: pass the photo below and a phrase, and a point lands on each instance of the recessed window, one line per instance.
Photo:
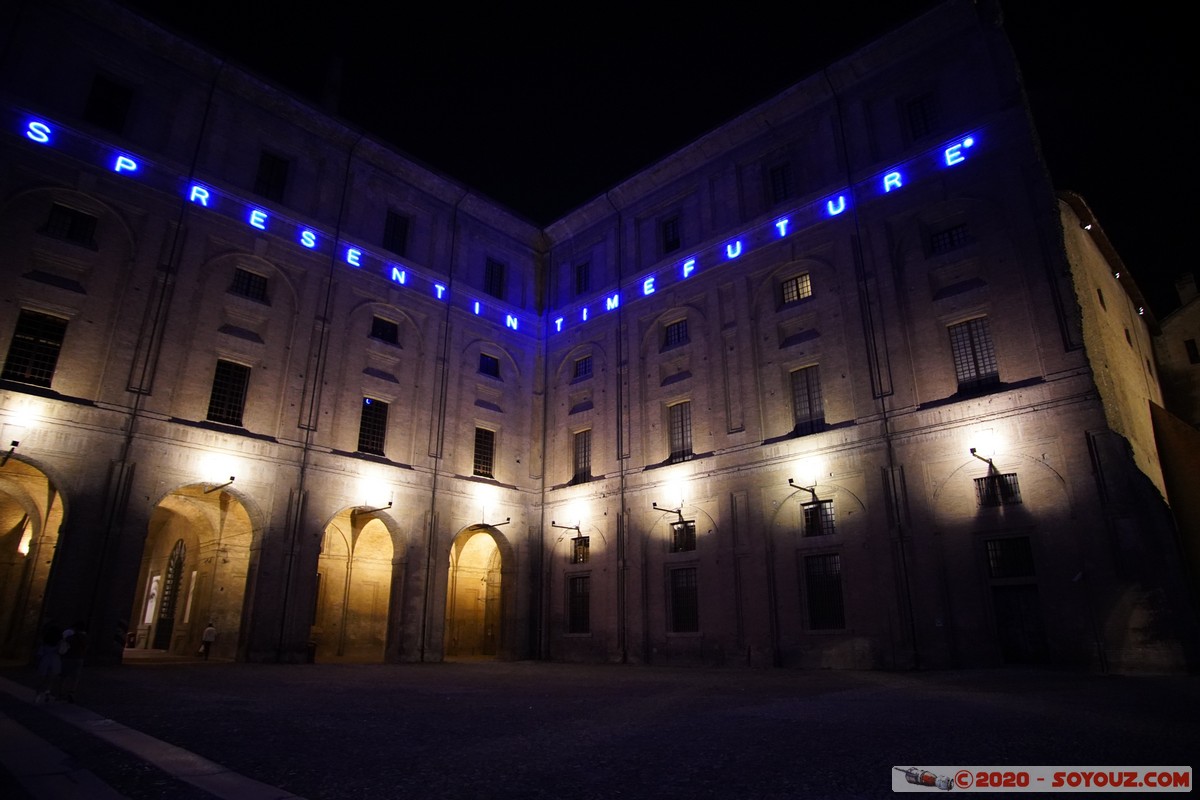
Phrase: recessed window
(823, 592)
(808, 405)
(922, 115)
(395, 233)
(580, 549)
(228, 397)
(675, 333)
(1193, 353)
(949, 239)
(679, 427)
(372, 426)
(485, 453)
(818, 518)
(669, 233)
(70, 225)
(33, 353)
(974, 357)
(683, 536)
(385, 330)
(1010, 557)
(108, 104)
(489, 365)
(493, 278)
(998, 490)
(249, 284)
(779, 179)
(685, 601)
(796, 288)
(583, 368)
(579, 604)
(583, 278)
(582, 451)
(271, 179)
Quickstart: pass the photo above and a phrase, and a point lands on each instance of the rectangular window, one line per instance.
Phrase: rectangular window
(108, 104)
(583, 457)
(271, 179)
(683, 536)
(579, 610)
(974, 357)
(952, 238)
(808, 406)
(675, 333)
(372, 426)
(249, 284)
(33, 353)
(395, 233)
(779, 178)
(818, 518)
(669, 230)
(796, 288)
(583, 278)
(485, 452)
(489, 365)
(680, 431)
(228, 398)
(1010, 558)
(493, 278)
(823, 591)
(685, 601)
(922, 115)
(1193, 353)
(583, 368)
(69, 225)
(998, 490)
(580, 549)
(385, 330)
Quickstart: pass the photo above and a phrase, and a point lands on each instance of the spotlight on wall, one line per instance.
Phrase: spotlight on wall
(373, 510)
(676, 511)
(212, 489)
(13, 446)
(498, 524)
(810, 489)
(981, 458)
(575, 528)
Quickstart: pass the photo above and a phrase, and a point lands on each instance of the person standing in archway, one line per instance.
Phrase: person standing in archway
(207, 638)
(75, 639)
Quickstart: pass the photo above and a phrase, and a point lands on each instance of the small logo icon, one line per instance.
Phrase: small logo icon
(923, 777)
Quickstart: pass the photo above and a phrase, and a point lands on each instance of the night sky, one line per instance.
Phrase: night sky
(544, 111)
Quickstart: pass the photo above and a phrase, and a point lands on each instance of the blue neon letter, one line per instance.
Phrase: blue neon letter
(893, 180)
(476, 306)
(399, 275)
(38, 132)
(558, 324)
(782, 224)
(689, 267)
(258, 219)
(648, 286)
(308, 239)
(612, 302)
(199, 195)
(733, 250)
(839, 208)
(584, 317)
(510, 321)
(124, 164)
(954, 155)
(352, 256)
(437, 287)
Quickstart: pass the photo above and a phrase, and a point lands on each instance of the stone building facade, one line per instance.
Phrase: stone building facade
(825, 388)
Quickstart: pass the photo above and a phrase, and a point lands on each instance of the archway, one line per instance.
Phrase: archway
(474, 611)
(194, 567)
(354, 579)
(31, 513)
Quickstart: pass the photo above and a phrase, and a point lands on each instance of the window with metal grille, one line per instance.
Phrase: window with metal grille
(489, 365)
(823, 591)
(395, 233)
(685, 601)
(249, 284)
(974, 357)
(580, 549)
(385, 330)
(583, 368)
(808, 406)
(796, 288)
(493, 278)
(271, 179)
(683, 536)
(779, 178)
(922, 115)
(70, 225)
(680, 431)
(1193, 353)
(33, 353)
(669, 230)
(675, 333)
(108, 104)
(372, 426)
(998, 490)
(583, 278)
(579, 588)
(583, 456)
(485, 452)
(948, 239)
(818, 518)
(228, 398)
(1010, 558)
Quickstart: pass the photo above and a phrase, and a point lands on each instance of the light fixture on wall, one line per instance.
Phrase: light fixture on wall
(810, 489)
(357, 511)
(985, 459)
(498, 524)
(12, 447)
(676, 511)
(575, 528)
(212, 489)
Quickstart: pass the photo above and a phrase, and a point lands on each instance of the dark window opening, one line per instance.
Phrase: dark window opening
(271, 179)
(685, 601)
(69, 225)
(998, 490)
(579, 604)
(372, 426)
(493, 278)
(808, 404)
(489, 365)
(385, 330)
(922, 115)
(683, 536)
(583, 278)
(582, 447)
(680, 431)
(818, 518)
(974, 357)
(228, 397)
(675, 333)
(583, 368)
(108, 104)
(823, 583)
(33, 353)
(485, 451)
(1010, 558)
(395, 233)
(953, 238)
(1193, 353)
(250, 285)
(669, 230)
(779, 178)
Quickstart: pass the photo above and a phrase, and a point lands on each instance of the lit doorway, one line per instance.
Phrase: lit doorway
(473, 600)
(354, 579)
(31, 512)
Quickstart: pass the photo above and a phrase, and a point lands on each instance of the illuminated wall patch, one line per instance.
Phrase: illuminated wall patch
(38, 131)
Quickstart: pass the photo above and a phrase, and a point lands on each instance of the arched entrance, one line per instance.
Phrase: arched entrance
(193, 572)
(354, 579)
(473, 601)
(31, 513)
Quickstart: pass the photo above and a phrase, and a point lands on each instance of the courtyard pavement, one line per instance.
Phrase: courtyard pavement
(485, 729)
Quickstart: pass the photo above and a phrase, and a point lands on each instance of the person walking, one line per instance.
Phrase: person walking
(207, 638)
(75, 640)
(49, 662)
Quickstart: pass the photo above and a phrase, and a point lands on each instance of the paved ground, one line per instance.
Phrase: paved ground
(534, 730)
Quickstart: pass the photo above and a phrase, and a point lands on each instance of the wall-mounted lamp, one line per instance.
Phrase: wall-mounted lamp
(8, 455)
(676, 511)
(498, 524)
(357, 511)
(219, 486)
(575, 528)
(810, 489)
(981, 458)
